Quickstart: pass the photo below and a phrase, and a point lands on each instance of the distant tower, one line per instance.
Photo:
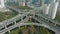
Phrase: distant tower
(53, 9)
(29, 3)
(43, 1)
(53, 0)
(44, 9)
(2, 4)
(47, 9)
(21, 2)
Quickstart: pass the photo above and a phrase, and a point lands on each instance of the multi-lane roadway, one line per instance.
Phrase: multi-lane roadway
(46, 24)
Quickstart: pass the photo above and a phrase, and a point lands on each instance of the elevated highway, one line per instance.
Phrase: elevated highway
(52, 26)
(22, 24)
(43, 22)
(12, 20)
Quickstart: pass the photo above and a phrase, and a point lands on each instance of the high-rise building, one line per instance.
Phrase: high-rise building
(21, 2)
(53, 9)
(47, 9)
(2, 4)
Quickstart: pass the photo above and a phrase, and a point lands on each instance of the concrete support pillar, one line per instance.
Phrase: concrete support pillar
(15, 22)
(38, 27)
(5, 26)
(55, 23)
(25, 26)
(26, 16)
(19, 27)
(21, 19)
(8, 31)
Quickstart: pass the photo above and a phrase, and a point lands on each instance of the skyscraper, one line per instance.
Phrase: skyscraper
(2, 4)
(53, 9)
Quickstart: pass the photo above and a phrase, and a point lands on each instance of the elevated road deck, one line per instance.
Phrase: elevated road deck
(44, 23)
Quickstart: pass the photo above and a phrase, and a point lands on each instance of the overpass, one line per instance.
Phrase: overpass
(42, 21)
(22, 24)
(52, 26)
(14, 19)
